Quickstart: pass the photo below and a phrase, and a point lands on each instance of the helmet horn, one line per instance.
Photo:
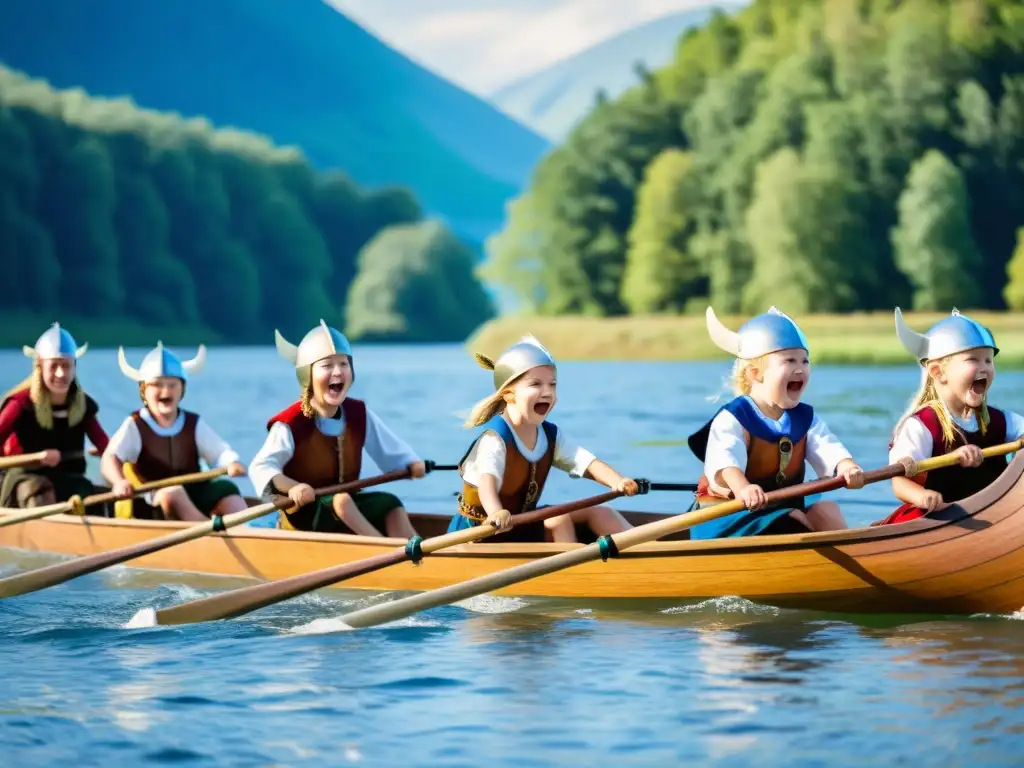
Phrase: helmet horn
(915, 343)
(724, 339)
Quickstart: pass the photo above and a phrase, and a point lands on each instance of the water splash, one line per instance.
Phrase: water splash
(492, 604)
(729, 604)
(144, 619)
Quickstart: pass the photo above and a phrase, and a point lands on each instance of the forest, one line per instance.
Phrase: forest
(822, 155)
(116, 213)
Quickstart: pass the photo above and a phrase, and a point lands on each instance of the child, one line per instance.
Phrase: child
(760, 440)
(162, 440)
(949, 414)
(319, 440)
(50, 412)
(505, 468)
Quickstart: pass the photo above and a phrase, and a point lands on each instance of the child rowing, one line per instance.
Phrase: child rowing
(505, 468)
(319, 441)
(162, 440)
(761, 440)
(949, 414)
(50, 412)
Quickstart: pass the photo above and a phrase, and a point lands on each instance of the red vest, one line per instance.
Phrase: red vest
(318, 459)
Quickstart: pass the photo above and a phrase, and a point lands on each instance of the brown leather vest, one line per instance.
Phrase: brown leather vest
(162, 457)
(320, 460)
(523, 481)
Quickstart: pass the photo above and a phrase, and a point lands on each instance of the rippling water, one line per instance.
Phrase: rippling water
(504, 681)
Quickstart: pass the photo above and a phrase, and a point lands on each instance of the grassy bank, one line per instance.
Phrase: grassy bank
(17, 329)
(865, 338)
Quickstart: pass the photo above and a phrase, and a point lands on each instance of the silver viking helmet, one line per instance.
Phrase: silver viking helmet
(162, 362)
(761, 335)
(323, 341)
(55, 342)
(516, 360)
(956, 333)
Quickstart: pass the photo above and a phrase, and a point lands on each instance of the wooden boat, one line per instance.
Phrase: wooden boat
(969, 559)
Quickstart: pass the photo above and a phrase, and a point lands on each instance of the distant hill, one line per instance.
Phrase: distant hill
(553, 100)
(298, 71)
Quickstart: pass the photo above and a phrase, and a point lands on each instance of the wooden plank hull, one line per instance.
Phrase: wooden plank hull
(969, 561)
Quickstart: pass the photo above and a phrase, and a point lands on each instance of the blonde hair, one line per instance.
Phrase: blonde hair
(740, 381)
(307, 402)
(43, 405)
(488, 408)
(928, 397)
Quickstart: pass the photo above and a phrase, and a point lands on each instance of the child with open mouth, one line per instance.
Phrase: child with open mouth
(161, 440)
(949, 414)
(319, 440)
(761, 440)
(505, 468)
(50, 412)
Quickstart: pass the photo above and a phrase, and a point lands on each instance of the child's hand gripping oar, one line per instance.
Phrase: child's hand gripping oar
(32, 459)
(241, 601)
(58, 573)
(610, 546)
(77, 504)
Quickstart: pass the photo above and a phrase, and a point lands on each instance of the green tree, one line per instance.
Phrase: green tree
(933, 243)
(416, 282)
(661, 272)
(1014, 291)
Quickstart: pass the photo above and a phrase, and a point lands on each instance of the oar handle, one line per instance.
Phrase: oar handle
(434, 467)
(668, 486)
(155, 485)
(21, 460)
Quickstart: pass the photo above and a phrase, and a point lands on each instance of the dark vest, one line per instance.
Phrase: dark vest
(956, 483)
(32, 438)
(523, 481)
(162, 457)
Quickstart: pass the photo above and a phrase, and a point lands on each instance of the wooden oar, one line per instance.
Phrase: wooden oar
(58, 573)
(610, 546)
(29, 459)
(14, 515)
(241, 601)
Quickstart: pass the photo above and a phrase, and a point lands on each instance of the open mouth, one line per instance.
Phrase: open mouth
(167, 402)
(794, 388)
(336, 387)
(979, 386)
(541, 409)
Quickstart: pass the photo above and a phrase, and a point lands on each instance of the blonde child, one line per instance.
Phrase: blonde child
(760, 440)
(319, 441)
(949, 414)
(50, 412)
(162, 440)
(506, 466)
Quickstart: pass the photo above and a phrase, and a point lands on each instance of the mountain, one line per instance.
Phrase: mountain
(553, 100)
(298, 71)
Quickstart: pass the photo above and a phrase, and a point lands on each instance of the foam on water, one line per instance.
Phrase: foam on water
(728, 604)
(492, 604)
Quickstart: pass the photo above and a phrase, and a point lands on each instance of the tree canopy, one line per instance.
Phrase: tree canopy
(825, 155)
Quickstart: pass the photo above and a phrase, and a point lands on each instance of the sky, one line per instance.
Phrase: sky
(483, 45)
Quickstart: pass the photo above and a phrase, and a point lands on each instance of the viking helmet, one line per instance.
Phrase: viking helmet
(956, 333)
(761, 335)
(55, 342)
(516, 360)
(162, 362)
(323, 341)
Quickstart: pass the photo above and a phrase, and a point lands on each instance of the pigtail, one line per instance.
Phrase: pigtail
(485, 410)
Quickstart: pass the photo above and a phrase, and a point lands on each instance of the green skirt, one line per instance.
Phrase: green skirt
(209, 493)
(320, 518)
(64, 485)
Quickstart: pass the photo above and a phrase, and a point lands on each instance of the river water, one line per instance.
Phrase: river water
(504, 681)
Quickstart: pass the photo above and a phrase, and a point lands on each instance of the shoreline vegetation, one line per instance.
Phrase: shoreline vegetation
(863, 338)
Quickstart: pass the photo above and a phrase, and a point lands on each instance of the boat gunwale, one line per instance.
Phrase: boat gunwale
(951, 516)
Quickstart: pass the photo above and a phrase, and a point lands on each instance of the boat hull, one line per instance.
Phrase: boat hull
(969, 561)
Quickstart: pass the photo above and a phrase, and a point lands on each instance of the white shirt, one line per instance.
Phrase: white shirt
(727, 447)
(914, 439)
(488, 455)
(126, 443)
(383, 446)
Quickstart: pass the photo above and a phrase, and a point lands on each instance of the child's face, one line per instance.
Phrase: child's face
(534, 394)
(967, 375)
(332, 378)
(58, 374)
(784, 378)
(162, 396)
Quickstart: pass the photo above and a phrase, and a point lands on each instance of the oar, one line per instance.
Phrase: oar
(29, 459)
(241, 601)
(78, 504)
(58, 573)
(610, 546)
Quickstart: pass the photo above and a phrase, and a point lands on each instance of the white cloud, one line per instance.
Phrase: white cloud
(485, 44)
